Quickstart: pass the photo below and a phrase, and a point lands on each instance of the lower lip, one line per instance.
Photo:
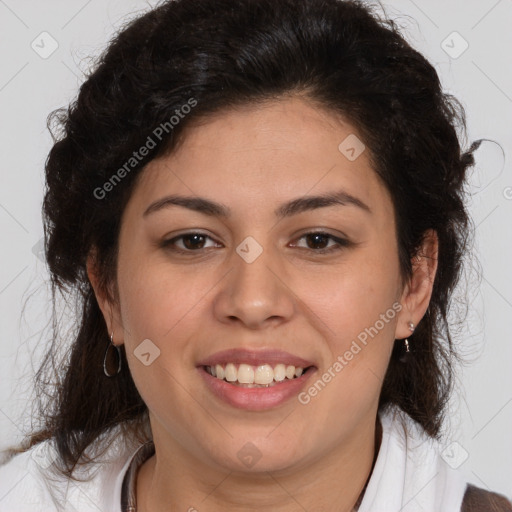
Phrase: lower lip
(255, 399)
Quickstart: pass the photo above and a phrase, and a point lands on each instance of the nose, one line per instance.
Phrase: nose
(255, 294)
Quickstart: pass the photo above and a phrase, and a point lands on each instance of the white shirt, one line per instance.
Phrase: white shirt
(409, 476)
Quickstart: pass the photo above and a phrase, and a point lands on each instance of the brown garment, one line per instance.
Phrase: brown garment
(477, 499)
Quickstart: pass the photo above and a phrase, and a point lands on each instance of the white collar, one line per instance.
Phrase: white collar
(409, 474)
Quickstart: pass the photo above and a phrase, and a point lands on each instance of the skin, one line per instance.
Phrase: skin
(252, 159)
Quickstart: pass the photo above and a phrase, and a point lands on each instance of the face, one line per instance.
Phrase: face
(262, 272)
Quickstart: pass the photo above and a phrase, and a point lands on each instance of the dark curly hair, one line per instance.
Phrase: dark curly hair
(341, 56)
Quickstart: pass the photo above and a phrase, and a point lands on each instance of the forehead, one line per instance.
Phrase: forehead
(257, 155)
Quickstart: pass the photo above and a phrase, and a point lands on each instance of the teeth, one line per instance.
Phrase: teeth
(230, 372)
(219, 371)
(264, 374)
(252, 376)
(245, 374)
(279, 372)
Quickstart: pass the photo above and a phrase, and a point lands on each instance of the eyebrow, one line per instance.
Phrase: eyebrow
(294, 207)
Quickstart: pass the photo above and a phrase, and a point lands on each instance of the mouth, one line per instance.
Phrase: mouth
(261, 376)
(255, 380)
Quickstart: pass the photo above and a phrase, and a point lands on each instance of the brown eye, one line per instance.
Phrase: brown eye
(188, 242)
(195, 241)
(318, 242)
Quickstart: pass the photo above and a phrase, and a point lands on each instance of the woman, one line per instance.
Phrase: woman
(260, 205)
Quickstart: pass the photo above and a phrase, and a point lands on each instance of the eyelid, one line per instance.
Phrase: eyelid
(340, 242)
(167, 244)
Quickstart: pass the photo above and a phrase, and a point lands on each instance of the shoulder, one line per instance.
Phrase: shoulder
(477, 499)
(30, 482)
(451, 487)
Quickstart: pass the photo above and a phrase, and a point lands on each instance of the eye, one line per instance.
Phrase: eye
(318, 242)
(190, 242)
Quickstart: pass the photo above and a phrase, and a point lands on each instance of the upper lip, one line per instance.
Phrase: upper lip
(255, 357)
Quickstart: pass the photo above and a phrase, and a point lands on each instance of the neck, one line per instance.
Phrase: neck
(182, 482)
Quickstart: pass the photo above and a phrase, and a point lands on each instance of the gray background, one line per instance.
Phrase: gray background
(478, 433)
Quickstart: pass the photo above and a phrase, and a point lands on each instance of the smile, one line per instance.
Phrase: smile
(247, 375)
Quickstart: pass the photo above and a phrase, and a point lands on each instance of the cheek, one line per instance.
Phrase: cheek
(152, 304)
(161, 312)
(157, 298)
(356, 308)
(351, 296)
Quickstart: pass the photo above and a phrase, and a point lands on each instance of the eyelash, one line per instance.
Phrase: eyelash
(341, 243)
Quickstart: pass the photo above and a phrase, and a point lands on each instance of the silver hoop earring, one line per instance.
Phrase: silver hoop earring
(118, 350)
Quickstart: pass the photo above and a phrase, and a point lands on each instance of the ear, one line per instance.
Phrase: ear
(106, 298)
(417, 292)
